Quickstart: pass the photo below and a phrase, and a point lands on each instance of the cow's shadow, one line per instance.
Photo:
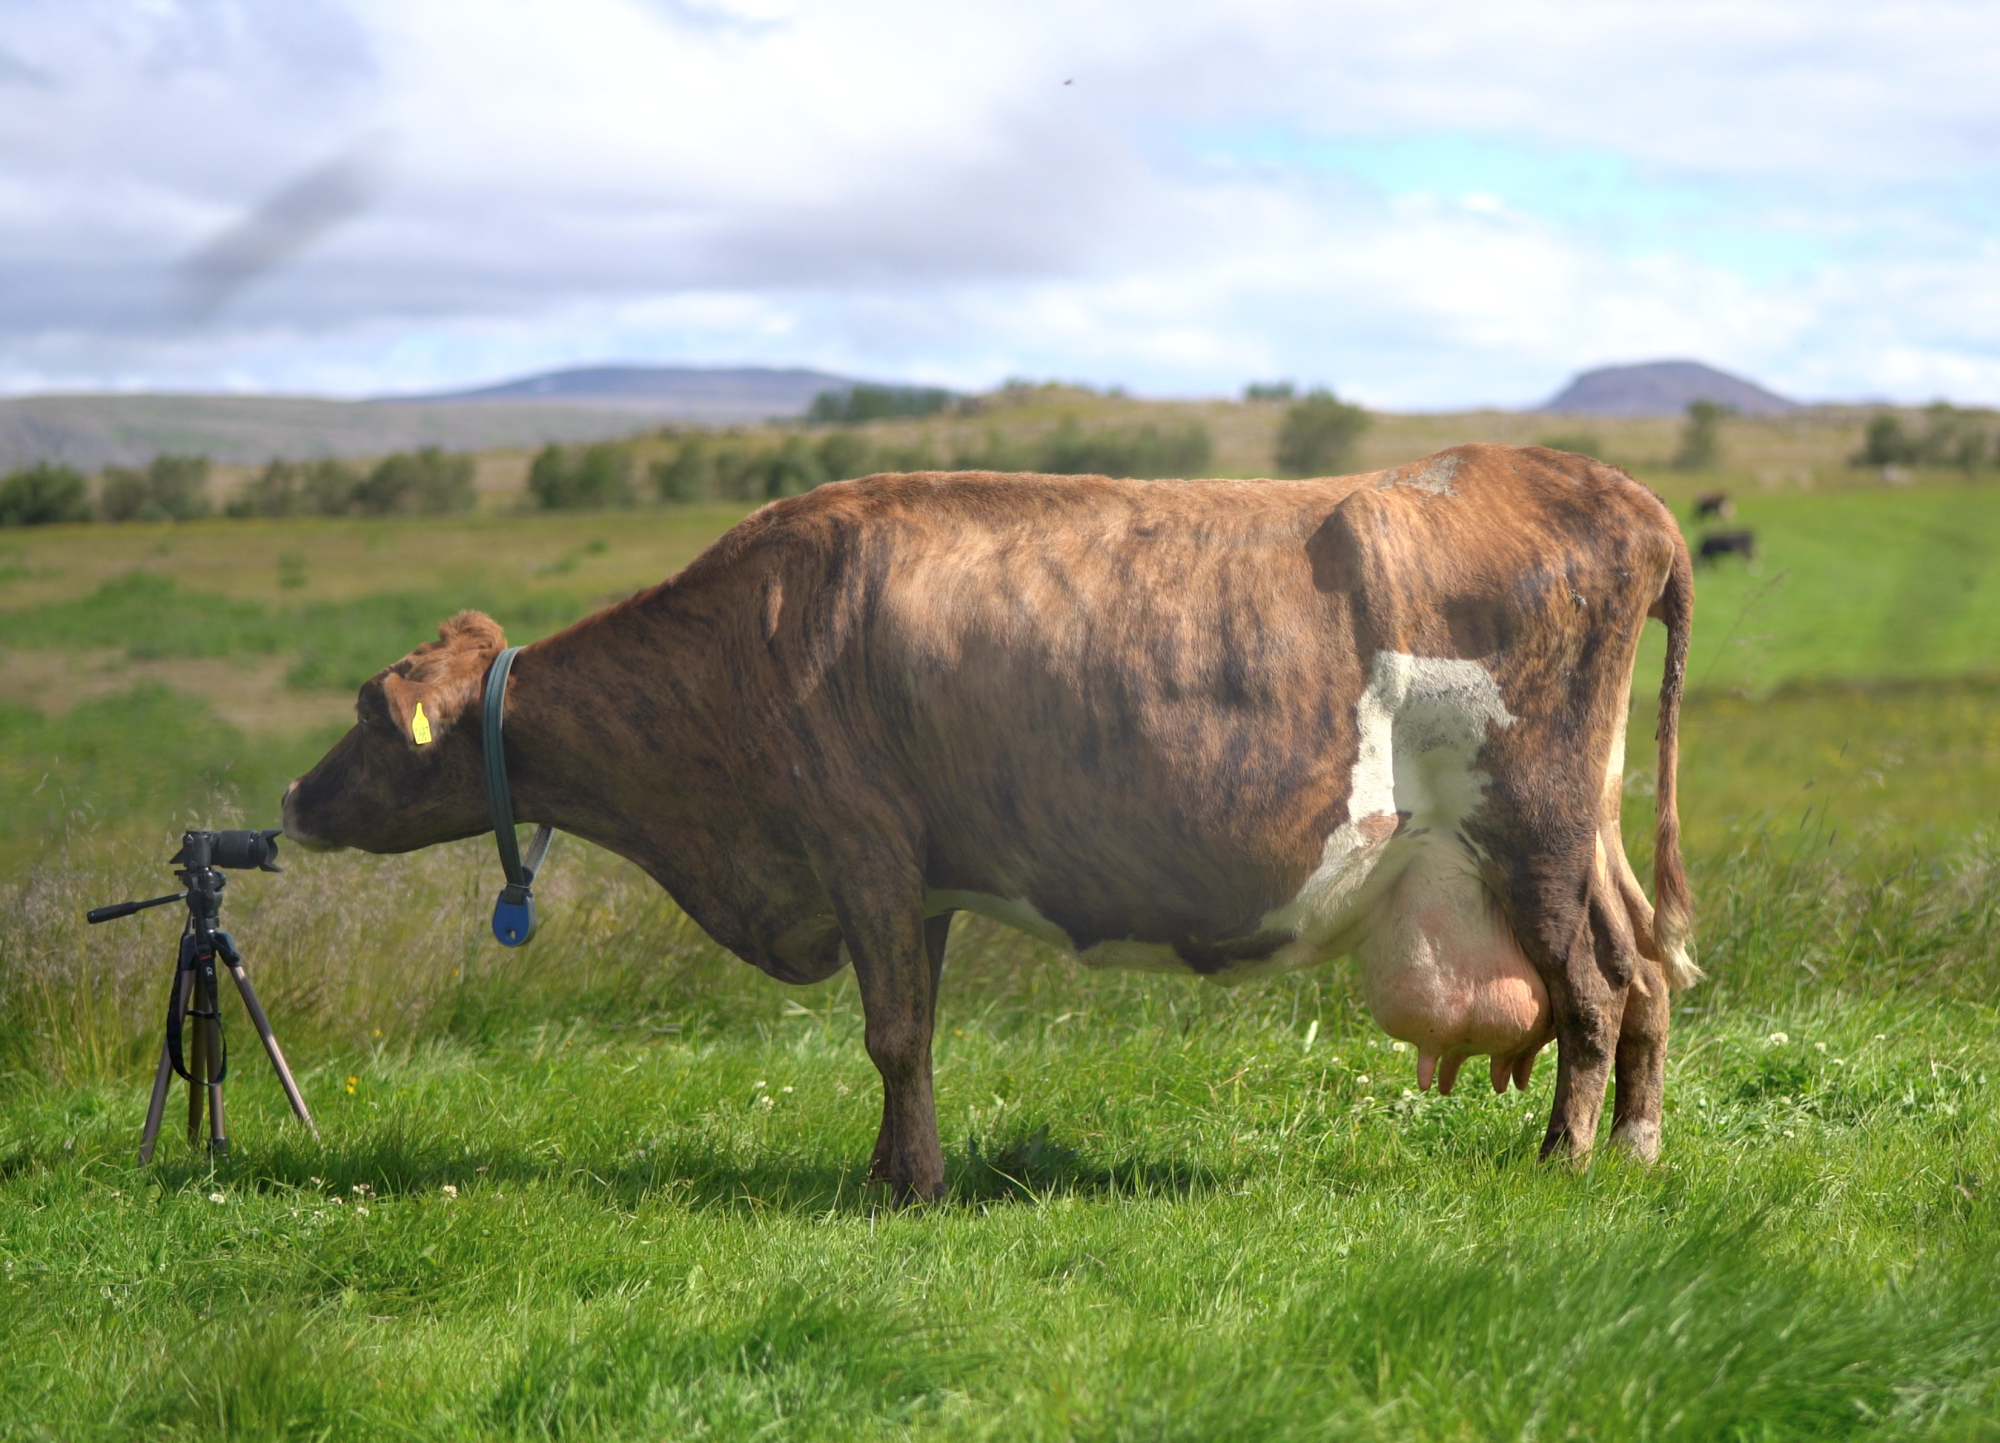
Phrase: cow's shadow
(1023, 1167)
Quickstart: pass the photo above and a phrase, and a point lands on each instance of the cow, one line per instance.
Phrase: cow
(1713, 506)
(1717, 544)
(1219, 727)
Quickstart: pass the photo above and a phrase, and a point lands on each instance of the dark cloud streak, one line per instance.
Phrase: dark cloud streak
(316, 203)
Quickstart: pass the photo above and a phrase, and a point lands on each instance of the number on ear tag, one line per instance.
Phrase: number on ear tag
(420, 726)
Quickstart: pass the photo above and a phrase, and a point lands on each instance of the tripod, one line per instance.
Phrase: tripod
(195, 998)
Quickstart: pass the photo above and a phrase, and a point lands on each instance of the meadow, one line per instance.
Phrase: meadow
(611, 1186)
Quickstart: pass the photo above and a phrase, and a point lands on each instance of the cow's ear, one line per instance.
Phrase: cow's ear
(432, 689)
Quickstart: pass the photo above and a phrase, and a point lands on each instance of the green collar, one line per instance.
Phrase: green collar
(514, 913)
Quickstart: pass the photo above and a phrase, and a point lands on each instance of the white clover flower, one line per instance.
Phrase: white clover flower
(1778, 1039)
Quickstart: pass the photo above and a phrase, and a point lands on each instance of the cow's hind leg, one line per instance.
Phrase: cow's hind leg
(1574, 946)
(1610, 1009)
(1642, 1063)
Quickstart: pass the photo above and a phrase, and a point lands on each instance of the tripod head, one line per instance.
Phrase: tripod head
(200, 860)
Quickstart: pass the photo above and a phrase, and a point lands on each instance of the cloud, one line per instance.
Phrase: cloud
(1444, 206)
(299, 213)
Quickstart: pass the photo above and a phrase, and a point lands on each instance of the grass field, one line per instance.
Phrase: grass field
(611, 1186)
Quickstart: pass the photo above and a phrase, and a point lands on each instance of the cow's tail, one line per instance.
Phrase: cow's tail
(1673, 901)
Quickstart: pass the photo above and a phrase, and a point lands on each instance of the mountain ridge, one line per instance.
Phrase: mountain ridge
(1662, 388)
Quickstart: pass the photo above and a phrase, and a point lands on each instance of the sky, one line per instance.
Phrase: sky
(1424, 207)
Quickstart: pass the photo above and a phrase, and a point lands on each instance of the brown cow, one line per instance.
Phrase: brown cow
(1225, 727)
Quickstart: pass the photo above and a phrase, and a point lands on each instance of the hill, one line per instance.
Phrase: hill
(1662, 388)
(692, 393)
(600, 403)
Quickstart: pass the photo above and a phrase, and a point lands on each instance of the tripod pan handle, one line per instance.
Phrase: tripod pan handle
(126, 909)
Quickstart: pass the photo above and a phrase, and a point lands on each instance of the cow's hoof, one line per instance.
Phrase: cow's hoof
(1561, 1147)
(1638, 1140)
(904, 1191)
(909, 1195)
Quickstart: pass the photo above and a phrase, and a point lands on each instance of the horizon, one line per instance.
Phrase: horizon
(470, 389)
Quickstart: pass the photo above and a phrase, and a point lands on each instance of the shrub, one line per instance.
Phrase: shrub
(1269, 391)
(687, 475)
(1318, 435)
(43, 495)
(876, 403)
(581, 478)
(845, 454)
(1701, 436)
(328, 488)
(1953, 438)
(1581, 443)
(794, 470)
(272, 492)
(172, 488)
(428, 481)
(736, 468)
(1884, 443)
(1147, 452)
(121, 494)
(179, 486)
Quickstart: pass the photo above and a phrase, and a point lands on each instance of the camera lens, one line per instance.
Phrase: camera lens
(239, 849)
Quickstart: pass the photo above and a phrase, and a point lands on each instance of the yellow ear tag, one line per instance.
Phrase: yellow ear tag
(420, 726)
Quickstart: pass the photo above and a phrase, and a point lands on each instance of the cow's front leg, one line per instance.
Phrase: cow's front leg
(896, 1103)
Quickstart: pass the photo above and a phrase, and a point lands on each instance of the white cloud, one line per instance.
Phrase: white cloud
(1442, 206)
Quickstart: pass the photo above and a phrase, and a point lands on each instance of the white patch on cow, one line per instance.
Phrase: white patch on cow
(1433, 475)
(1422, 721)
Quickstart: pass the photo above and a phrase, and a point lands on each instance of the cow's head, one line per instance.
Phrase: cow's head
(412, 772)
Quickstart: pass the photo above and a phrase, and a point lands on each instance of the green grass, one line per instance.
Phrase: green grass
(131, 763)
(611, 1186)
(1878, 584)
(335, 644)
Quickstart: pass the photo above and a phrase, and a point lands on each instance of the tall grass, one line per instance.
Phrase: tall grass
(348, 948)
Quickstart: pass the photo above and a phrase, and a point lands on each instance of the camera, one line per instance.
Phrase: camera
(239, 850)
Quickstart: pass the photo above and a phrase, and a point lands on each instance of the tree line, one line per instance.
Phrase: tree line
(175, 488)
(1950, 436)
(1317, 436)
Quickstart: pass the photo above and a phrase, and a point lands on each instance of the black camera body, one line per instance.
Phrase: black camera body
(237, 850)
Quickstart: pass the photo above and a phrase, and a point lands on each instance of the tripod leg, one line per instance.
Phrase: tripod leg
(197, 1066)
(157, 1108)
(270, 1039)
(218, 1135)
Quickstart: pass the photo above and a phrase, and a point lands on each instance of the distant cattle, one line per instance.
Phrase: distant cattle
(1718, 544)
(1226, 728)
(1713, 506)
